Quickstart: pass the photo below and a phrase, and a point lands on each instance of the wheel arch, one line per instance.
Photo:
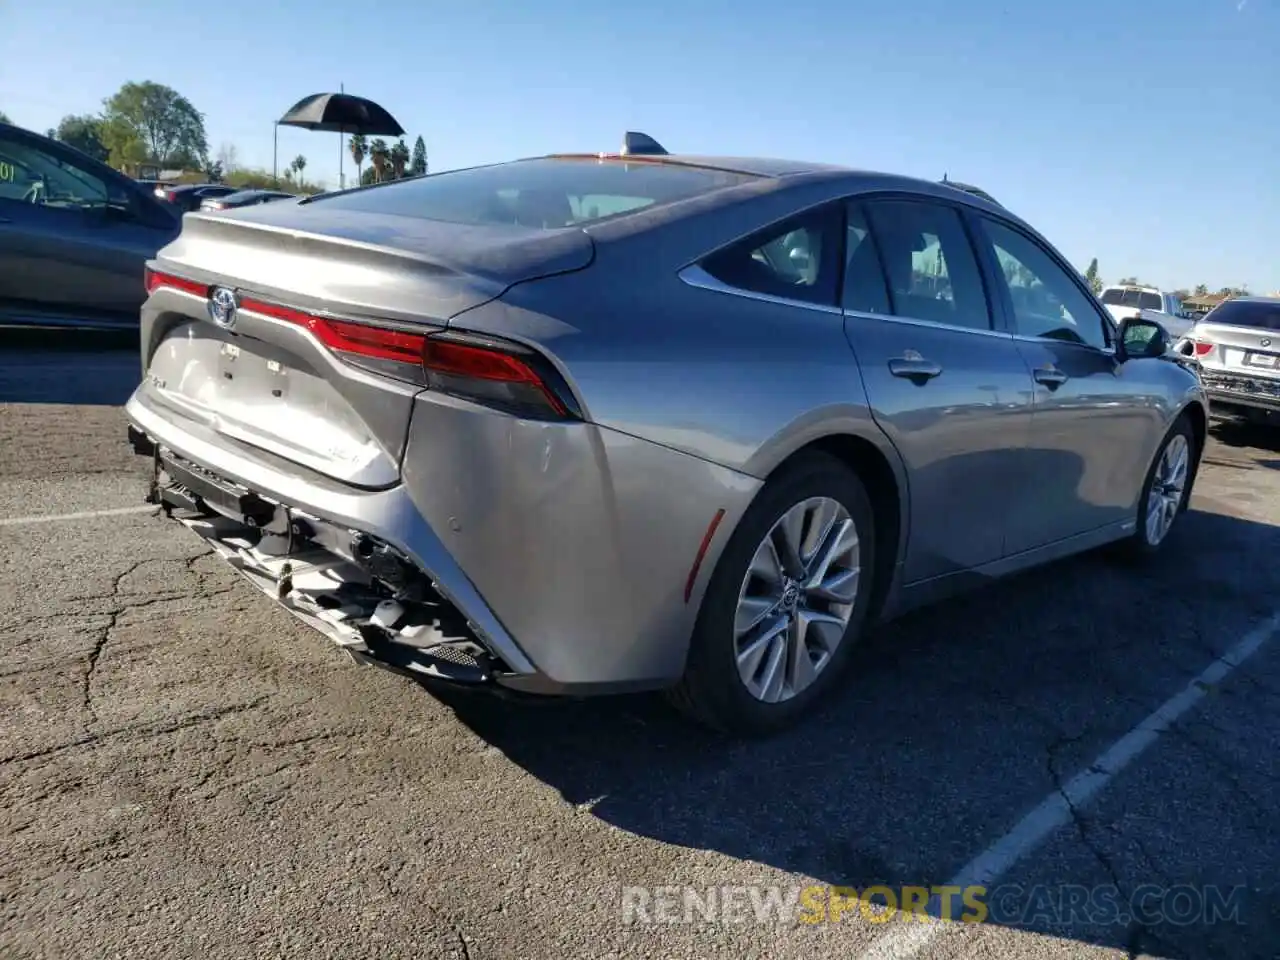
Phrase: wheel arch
(878, 466)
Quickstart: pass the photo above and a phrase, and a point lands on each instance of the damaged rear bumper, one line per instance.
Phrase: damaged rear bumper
(351, 584)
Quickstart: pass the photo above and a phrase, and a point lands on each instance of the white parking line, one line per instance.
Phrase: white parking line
(84, 515)
(1055, 811)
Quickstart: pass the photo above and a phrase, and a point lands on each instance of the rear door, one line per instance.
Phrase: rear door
(1095, 421)
(950, 390)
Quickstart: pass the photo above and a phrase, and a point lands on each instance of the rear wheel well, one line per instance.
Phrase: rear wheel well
(864, 459)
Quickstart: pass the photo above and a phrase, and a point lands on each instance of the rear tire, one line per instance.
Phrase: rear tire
(756, 664)
(1166, 491)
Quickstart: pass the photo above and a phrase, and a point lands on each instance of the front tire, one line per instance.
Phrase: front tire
(785, 603)
(1166, 491)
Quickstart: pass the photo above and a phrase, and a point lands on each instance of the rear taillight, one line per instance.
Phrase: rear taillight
(154, 280)
(1202, 349)
(496, 373)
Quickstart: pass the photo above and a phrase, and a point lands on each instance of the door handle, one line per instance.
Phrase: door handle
(914, 367)
(1051, 377)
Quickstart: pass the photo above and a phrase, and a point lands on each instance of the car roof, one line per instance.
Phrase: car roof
(1252, 299)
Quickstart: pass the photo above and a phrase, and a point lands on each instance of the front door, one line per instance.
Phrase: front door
(1095, 419)
(952, 393)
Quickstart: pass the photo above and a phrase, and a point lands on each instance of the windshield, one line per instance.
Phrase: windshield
(546, 193)
(1261, 315)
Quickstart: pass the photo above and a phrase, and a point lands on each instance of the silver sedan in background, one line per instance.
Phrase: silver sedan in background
(592, 423)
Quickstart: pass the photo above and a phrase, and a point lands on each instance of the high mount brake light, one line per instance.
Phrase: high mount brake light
(496, 374)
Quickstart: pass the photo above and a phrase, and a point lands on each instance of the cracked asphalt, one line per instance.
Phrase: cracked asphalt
(188, 772)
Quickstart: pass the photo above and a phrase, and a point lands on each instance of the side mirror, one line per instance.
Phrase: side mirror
(1140, 338)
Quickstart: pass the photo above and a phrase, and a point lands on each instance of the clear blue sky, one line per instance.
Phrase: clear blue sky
(1143, 132)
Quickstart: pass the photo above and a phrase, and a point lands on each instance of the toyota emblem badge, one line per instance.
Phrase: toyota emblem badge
(222, 307)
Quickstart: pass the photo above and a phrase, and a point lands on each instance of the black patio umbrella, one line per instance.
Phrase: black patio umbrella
(339, 113)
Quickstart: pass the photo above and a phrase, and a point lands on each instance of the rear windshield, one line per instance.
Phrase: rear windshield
(1143, 299)
(1246, 313)
(544, 193)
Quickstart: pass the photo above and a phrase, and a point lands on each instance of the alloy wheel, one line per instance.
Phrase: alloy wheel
(1167, 487)
(796, 599)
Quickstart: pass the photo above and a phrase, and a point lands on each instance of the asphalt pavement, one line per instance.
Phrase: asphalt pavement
(185, 771)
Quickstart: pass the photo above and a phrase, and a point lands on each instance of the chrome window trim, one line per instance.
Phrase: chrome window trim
(695, 276)
(929, 324)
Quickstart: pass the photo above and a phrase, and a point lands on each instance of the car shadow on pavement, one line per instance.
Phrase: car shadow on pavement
(1241, 433)
(90, 367)
(956, 722)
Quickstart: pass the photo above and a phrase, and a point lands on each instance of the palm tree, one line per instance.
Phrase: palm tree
(380, 156)
(359, 147)
(399, 158)
(299, 164)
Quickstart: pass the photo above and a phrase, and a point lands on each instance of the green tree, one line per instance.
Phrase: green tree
(399, 157)
(169, 128)
(215, 172)
(125, 150)
(418, 165)
(1130, 282)
(1202, 290)
(299, 164)
(84, 133)
(380, 157)
(4, 117)
(359, 147)
(1092, 278)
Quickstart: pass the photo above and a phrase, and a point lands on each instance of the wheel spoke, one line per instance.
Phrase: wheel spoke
(750, 655)
(787, 537)
(751, 610)
(766, 565)
(800, 666)
(842, 538)
(841, 587)
(821, 519)
(775, 673)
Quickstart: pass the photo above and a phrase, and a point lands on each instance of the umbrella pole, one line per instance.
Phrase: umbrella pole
(275, 155)
(341, 136)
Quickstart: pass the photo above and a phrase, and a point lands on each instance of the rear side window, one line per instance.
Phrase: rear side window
(795, 260)
(1261, 315)
(1129, 297)
(544, 194)
(1149, 301)
(930, 264)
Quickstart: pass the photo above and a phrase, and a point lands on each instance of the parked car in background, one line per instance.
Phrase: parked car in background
(189, 196)
(1237, 348)
(75, 235)
(592, 423)
(1150, 303)
(244, 198)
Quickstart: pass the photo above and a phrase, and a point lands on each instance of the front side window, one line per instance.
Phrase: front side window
(29, 174)
(929, 262)
(1045, 301)
(796, 260)
(544, 194)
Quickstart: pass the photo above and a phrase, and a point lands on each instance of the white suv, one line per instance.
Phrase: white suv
(1149, 303)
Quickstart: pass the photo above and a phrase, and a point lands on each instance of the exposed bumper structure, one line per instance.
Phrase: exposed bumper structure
(550, 582)
(1229, 393)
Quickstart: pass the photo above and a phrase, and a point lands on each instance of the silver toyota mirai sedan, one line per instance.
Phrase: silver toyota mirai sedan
(592, 423)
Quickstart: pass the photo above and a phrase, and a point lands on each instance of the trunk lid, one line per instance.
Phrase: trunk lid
(273, 382)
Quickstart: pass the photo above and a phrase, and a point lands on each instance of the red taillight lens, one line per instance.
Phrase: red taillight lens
(396, 352)
(1203, 349)
(495, 374)
(155, 280)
